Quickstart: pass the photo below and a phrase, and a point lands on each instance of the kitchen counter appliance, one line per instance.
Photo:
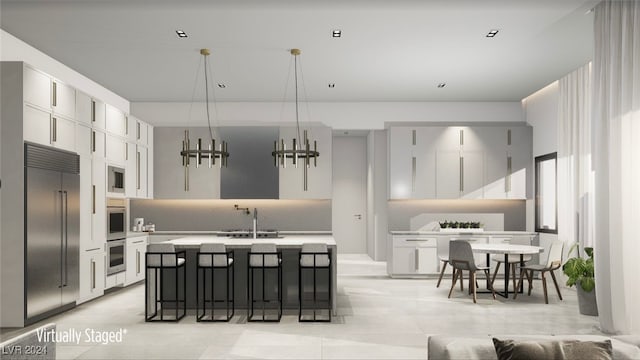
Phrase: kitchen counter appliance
(52, 219)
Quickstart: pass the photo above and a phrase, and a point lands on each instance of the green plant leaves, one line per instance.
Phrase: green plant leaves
(580, 270)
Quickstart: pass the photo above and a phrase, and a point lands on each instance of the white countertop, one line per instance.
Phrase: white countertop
(216, 232)
(462, 232)
(293, 241)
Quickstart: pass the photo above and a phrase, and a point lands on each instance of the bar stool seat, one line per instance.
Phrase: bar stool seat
(163, 259)
(213, 258)
(264, 258)
(314, 258)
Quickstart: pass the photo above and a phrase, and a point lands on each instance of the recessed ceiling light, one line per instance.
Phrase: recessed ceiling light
(441, 85)
(332, 85)
(492, 33)
(336, 33)
(181, 33)
(222, 86)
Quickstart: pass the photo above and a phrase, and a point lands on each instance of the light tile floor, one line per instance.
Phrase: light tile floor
(378, 318)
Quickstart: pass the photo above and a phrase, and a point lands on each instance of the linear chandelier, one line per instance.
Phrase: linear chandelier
(210, 153)
(300, 150)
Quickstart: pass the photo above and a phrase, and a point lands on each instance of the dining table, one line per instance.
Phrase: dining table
(506, 249)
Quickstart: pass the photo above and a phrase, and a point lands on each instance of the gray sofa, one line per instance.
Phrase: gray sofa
(28, 345)
(481, 347)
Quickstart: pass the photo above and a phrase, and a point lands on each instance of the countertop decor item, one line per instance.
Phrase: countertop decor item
(581, 273)
(210, 152)
(300, 150)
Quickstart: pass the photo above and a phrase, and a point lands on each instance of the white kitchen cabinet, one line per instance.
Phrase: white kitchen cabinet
(150, 170)
(41, 127)
(131, 171)
(98, 203)
(447, 170)
(114, 280)
(92, 274)
(142, 133)
(319, 178)
(115, 149)
(521, 153)
(135, 259)
(90, 111)
(141, 172)
(84, 140)
(472, 175)
(37, 88)
(115, 121)
(98, 145)
(414, 255)
(402, 164)
(63, 100)
(86, 203)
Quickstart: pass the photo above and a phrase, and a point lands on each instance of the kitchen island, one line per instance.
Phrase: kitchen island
(289, 245)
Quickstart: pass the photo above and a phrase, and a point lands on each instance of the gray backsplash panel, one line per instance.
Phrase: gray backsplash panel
(401, 211)
(203, 215)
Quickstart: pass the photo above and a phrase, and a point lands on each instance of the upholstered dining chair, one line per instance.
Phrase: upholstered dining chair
(442, 247)
(554, 261)
(461, 259)
(514, 260)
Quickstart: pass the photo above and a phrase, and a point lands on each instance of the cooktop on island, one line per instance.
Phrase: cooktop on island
(247, 233)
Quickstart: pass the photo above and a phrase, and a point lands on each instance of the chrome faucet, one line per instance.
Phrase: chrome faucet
(255, 223)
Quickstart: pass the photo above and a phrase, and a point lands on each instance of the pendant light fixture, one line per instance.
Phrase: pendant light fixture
(300, 150)
(200, 152)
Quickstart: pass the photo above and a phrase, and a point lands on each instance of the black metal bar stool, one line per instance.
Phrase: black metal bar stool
(161, 260)
(265, 259)
(212, 259)
(314, 259)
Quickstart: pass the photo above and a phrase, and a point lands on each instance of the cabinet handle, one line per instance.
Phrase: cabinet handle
(413, 137)
(126, 151)
(461, 173)
(461, 137)
(138, 131)
(126, 125)
(138, 170)
(509, 137)
(93, 198)
(93, 111)
(93, 274)
(54, 97)
(93, 141)
(507, 183)
(413, 174)
(138, 242)
(418, 239)
(417, 259)
(54, 130)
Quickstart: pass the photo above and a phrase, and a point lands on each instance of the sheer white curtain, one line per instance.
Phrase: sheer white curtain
(575, 174)
(616, 125)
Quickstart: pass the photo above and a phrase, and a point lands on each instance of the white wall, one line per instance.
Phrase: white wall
(541, 112)
(14, 49)
(337, 115)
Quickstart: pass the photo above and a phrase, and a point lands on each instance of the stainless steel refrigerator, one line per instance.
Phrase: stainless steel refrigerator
(52, 217)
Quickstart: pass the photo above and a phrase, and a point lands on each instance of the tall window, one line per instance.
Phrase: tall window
(546, 199)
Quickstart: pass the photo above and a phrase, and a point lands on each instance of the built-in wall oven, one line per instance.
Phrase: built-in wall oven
(116, 235)
(116, 219)
(116, 255)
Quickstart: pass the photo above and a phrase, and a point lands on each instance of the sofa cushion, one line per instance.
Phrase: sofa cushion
(509, 349)
(481, 347)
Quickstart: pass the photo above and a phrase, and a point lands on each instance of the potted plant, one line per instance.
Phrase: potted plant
(580, 272)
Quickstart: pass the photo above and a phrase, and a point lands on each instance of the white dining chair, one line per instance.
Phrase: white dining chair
(554, 261)
(461, 259)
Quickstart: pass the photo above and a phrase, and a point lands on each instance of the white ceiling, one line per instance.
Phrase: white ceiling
(394, 50)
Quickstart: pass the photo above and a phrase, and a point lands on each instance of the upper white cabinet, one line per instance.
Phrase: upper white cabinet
(115, 121)
(141, 172)
(319, 178)
(43, 128)
(90, 111)
(478, 162)
(63, 99)
(37, 88)
(115, 149)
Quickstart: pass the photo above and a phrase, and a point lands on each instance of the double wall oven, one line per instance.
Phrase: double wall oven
(116, 235)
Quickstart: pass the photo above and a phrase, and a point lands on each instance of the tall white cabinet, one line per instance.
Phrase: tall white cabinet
(460, 162)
